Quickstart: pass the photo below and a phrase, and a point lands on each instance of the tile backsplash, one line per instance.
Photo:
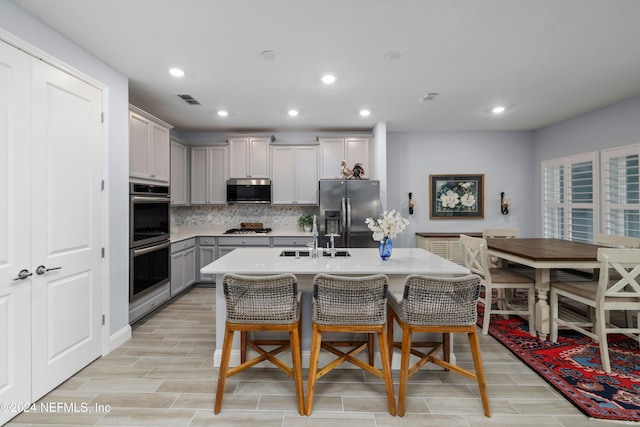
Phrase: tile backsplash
(231, 216)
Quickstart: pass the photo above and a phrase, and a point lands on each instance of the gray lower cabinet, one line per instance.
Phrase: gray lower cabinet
(291, 241)
(211, 248)
(227, 244)
(207, 253)
(183, 265)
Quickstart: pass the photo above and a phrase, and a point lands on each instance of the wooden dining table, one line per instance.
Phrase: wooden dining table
(545, 255)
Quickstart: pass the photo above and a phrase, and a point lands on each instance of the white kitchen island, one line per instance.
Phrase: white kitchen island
(362, 261)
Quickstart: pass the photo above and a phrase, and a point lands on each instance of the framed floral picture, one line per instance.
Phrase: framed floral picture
(456, 196)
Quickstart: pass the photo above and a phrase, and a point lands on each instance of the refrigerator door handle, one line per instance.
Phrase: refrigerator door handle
(343, 220)
(348, 242)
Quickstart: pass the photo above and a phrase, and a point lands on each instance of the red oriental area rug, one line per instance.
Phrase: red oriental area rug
(573, 367)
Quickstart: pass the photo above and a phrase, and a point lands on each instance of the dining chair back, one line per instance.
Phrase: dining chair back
(262, 304)
(476, 259)
(616, 241)
(507, 233)
(603, 296)
(442, 306)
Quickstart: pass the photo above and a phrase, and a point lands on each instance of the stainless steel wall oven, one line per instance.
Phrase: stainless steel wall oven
(149, 214)
(148, 269)
(149, 252)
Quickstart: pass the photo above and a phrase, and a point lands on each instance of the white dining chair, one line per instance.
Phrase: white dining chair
(476, 259)
(507, 233)
(500, 233)
(616, 241)
(603, 296)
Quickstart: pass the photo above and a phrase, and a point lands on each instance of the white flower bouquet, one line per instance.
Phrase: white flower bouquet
(388, 226)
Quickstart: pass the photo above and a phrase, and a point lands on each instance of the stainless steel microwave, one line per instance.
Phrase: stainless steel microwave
(248, 190)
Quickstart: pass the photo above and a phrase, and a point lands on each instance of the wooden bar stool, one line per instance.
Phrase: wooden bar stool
(269, 304)
(437, 305)
(350, 304)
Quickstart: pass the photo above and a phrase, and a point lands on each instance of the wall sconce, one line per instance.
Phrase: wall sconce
(504, 204)
(412, 203)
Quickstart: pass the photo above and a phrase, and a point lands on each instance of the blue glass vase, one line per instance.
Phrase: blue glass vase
(385, 248)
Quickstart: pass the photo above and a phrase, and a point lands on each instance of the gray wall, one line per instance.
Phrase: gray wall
(15, 22)
(503, 157)
(615, 126)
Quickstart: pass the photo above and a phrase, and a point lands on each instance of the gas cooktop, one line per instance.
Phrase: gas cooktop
(248, 231)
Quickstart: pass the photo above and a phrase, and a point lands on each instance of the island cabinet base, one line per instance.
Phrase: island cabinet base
(305, 284)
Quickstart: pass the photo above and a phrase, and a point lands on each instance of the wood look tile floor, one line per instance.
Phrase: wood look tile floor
(164, 376)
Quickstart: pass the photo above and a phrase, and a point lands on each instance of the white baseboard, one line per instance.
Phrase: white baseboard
(117, 339)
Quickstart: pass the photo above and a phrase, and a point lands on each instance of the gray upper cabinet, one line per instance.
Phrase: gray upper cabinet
(334, 150)
(148, 147)
(294, 175)
(249, 157)
(180, 176)
(209, 175)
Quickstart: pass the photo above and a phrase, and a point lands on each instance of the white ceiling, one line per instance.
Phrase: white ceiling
(545, 60)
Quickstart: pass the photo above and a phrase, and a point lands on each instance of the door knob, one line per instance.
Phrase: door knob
(24, 273)
(42, 269)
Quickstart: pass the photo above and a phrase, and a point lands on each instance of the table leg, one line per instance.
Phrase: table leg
(542, 305)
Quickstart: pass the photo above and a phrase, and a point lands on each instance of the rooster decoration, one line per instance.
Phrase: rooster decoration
(345, 172)
(356, 173)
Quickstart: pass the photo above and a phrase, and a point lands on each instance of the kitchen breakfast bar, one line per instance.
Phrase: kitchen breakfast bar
(360, 262)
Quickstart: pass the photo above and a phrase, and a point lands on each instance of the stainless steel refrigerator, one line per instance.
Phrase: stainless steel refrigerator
(344, 205)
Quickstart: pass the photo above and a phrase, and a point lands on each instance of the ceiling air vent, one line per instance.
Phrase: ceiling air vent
(429, 96)
(189, 99)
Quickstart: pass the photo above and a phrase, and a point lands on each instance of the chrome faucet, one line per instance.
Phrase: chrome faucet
(332, 248)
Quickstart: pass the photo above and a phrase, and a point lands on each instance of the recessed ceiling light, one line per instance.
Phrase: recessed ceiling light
(269, 55)
(328, 79)
(223, 113)
(393, 55)
(176, 72)
(497, 110)
(365, 113)
(293, 113)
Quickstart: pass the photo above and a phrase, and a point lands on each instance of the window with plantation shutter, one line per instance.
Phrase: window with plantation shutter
(621, 191)
(570, 198)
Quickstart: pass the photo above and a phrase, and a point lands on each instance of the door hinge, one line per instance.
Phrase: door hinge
(103, 320)
(102, 185)
(102, 117)
(102, 252)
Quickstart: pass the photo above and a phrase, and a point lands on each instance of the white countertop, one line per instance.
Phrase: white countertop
(362, 261)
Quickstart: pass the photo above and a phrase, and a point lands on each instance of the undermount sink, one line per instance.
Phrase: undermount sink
(305, 253)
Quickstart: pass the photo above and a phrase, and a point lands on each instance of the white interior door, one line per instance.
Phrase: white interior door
(15, 295)
(66, 200)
